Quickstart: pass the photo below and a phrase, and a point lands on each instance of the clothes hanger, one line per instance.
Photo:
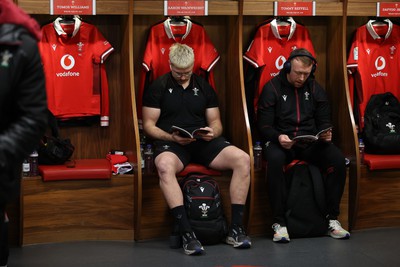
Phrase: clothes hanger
(177, 20)
(283, 21)
(69, 19)
(66, 19)
(378, 21)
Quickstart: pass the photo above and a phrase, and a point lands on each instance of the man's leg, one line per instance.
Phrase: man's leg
(235, 159)
(168, 164)
(277, 158)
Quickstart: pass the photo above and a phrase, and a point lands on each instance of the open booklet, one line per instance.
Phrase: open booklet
(197, 133)
(308, 138)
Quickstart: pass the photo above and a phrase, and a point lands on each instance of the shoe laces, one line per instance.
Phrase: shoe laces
(238, 230)
(279, 229)
(335, 225)
(189, 236)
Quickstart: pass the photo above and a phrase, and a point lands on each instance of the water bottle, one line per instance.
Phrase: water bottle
(361, 148)
(257, 150)
(34, 164)
(26, 168)
(142, 157)
(148, 159)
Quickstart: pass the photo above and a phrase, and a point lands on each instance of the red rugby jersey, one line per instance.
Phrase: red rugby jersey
(374, 63)
(76, 80)
(156, 55)
(271, 46)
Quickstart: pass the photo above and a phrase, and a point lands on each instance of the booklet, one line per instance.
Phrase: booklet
(197, 133)
(308, 138)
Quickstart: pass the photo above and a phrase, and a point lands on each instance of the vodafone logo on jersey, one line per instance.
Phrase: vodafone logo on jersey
(67, 62)
(380, 64)
(278, 65)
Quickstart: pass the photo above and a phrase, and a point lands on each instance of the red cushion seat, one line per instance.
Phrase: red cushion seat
(198, 168)
(80, 169)
(381, 162)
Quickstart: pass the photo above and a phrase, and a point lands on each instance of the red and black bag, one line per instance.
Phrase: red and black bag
(203, 204)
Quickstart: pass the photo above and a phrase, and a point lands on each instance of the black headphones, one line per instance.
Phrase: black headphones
(299, 53)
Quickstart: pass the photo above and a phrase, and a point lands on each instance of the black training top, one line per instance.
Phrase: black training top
(283, 109)
(181, 107)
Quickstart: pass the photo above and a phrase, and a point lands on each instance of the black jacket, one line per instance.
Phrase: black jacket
(23, 105)
(284, 109)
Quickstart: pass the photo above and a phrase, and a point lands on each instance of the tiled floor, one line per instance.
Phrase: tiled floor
(367, 248)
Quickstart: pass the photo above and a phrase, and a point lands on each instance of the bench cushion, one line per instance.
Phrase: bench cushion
(381, 162)
(198, 168)
(82, 169)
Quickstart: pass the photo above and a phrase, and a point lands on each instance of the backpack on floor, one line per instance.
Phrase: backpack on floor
(381, 132)
(202, 201)
(306, 207)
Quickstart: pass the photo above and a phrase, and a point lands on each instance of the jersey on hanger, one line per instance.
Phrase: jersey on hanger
(374, 63)
(271, 46)
(73, 55)
(156, 55)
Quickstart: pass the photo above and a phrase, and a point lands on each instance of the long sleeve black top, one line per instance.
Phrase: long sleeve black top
(284, 109)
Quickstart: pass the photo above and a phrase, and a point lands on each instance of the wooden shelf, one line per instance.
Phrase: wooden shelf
(361, 9)
(156, 7)
(252, 8)
(109, 7)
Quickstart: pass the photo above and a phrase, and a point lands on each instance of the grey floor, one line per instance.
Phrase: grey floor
(375, 247)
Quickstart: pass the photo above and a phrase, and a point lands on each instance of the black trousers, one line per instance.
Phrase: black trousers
(4, 250)
(324, 155)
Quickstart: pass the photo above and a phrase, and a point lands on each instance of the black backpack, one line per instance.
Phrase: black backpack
(202, 201)
(306, 206)
(381, 132)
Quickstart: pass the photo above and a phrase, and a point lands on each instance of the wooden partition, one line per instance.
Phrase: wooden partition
(223, 25)
(374, 194)
(62, 208)
(327, 34)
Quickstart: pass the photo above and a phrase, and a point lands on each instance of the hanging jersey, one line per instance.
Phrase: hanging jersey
(156, 55)
(76, 81)
(271, 46)
(374, 63)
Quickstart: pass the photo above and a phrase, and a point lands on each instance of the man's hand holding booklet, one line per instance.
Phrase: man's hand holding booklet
(309, 138)
(197, 133)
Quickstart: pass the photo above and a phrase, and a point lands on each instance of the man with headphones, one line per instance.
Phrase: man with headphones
(291, 104)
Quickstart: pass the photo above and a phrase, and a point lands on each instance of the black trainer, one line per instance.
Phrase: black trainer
(237, 237)
(191, 246)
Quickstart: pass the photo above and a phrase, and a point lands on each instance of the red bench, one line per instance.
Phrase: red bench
(382, 162)
(78, 169)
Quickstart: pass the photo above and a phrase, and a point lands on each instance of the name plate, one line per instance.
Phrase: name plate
(291, 9)
(74, 7)
(388, 9)
(185, 8)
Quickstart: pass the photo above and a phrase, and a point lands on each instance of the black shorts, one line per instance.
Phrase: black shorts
(200, 151)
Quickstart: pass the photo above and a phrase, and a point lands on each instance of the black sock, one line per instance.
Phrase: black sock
(181, 219)
(237, 214)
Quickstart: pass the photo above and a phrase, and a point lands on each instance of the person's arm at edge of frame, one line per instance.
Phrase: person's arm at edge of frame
(23, 135)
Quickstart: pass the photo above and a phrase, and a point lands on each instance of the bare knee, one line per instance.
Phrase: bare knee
(243, 162)
(167, 166)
